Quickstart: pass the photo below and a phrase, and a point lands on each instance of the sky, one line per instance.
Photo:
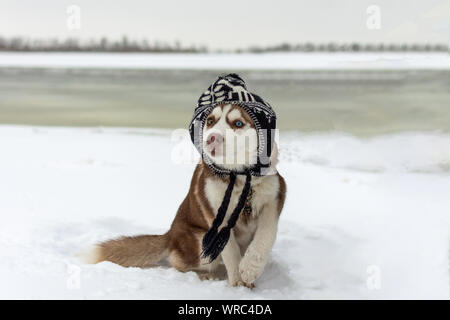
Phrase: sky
(232, 24)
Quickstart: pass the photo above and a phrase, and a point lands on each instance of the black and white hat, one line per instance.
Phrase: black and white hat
(232, 89)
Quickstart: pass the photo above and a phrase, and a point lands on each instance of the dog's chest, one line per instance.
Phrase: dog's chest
(263, 190)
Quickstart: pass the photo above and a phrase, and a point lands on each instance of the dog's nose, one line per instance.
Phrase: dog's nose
(215, 138)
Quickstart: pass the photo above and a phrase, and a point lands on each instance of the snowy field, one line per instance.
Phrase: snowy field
(216, 61)
(364, 218)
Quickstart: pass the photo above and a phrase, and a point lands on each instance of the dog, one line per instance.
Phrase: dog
(247, 250)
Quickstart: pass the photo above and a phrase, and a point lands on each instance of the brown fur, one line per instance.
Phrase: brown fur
(139, 251)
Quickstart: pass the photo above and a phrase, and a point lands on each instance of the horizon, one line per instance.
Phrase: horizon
(244, 25)
(129, 44)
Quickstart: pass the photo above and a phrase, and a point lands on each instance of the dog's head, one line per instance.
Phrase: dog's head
(230, 138)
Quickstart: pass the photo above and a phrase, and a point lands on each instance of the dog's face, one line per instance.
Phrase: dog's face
(230, 138)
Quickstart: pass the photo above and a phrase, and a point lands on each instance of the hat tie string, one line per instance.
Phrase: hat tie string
(214, 241)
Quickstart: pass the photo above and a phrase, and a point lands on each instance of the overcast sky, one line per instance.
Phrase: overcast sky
(231, 23)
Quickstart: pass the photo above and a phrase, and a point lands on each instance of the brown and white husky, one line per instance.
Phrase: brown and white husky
(251, 240)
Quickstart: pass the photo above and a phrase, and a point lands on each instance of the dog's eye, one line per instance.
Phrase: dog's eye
(209, 121)
(238, 123)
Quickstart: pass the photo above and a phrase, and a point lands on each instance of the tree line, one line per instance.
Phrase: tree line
(131, 45)
(94, 45)
(352, 47)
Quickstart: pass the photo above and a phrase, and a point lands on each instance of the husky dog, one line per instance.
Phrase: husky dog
(251, 239)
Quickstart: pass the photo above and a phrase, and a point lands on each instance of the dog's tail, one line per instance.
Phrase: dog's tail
(139, 251)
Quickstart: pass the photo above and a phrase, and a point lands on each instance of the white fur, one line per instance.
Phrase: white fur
(231, 255)
(90, 255)
(265, 210)
(240, 145)
(234, 115)
(257, 254)
(217, 112)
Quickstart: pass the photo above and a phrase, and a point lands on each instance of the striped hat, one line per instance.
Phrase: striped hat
(232, 89)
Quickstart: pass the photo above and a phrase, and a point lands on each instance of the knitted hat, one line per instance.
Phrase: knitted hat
(232, 89)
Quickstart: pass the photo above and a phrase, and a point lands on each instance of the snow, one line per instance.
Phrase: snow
(364, 217)
(224, 61)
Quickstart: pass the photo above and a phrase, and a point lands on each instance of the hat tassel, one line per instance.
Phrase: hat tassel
(213, 241)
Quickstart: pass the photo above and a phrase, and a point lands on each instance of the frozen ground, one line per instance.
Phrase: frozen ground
(364, 218)
(245, 61)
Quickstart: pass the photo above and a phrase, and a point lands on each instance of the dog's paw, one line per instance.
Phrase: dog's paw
(250, 269)
(240, 283)
(248, 276)
(206, 276)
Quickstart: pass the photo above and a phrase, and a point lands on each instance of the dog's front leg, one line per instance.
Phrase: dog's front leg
(257, 254)
(231, 257)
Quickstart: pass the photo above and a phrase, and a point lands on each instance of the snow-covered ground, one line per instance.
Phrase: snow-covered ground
(364, 218)
(216, 61)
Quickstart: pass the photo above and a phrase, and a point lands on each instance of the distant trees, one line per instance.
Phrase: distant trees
(126, 44)
(94, 45)
(349, 47)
